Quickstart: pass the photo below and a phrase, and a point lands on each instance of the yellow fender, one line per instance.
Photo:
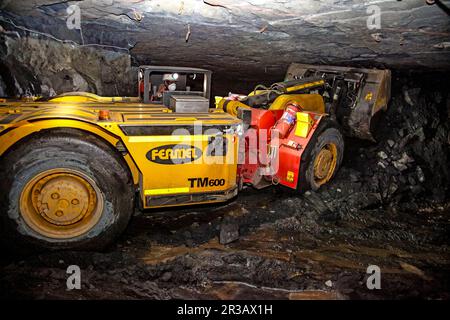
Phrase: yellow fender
(22, 130)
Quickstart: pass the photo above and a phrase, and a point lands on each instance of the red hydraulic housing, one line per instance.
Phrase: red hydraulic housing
(274, 144)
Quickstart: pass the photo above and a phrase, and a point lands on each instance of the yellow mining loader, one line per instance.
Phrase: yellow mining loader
(73, 167)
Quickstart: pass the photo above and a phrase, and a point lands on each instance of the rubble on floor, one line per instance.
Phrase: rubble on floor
(388, 206)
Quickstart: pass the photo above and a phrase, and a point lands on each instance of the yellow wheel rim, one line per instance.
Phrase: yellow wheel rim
(325, 164)
(61, 203)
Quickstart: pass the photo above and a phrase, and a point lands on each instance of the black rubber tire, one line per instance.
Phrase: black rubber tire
(72, 149)
(327, 132)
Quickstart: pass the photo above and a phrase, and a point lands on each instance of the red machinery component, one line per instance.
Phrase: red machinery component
(273, 150)
(257, 140)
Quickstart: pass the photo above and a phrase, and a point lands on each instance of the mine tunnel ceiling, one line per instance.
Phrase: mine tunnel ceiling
(249, 38)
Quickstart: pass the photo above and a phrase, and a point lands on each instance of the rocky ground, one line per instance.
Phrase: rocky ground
(388, 206)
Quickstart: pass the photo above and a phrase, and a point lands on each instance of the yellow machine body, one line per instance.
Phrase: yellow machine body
(168, 169)
(308, 102)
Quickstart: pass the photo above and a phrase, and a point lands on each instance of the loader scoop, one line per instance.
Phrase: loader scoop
(353, 95)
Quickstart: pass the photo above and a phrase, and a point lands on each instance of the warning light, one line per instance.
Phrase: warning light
(103, 115)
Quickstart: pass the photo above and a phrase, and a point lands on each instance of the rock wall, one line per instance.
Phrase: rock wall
(48, 67)
(249, 39)
(410, 161)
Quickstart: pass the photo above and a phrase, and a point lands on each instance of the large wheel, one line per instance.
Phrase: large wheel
(322, 157)
(64, 189)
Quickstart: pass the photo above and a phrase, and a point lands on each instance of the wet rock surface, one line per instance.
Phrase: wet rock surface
(388, 206)
(247, 38)
(29, 66)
